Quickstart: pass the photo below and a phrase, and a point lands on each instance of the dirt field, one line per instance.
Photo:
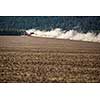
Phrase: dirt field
(30, 59)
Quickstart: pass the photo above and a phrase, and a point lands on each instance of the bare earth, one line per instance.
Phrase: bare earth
(30, 59)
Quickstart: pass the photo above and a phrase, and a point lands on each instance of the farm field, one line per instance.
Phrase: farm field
(33, 59)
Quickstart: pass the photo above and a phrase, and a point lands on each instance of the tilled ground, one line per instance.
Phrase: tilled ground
(30, 59)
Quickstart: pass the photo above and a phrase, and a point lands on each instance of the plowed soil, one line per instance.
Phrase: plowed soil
(31, 59)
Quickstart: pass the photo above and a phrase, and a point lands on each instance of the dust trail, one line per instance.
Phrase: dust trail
(71, 34)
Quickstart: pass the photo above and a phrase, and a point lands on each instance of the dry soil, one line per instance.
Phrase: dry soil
(31, 59)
